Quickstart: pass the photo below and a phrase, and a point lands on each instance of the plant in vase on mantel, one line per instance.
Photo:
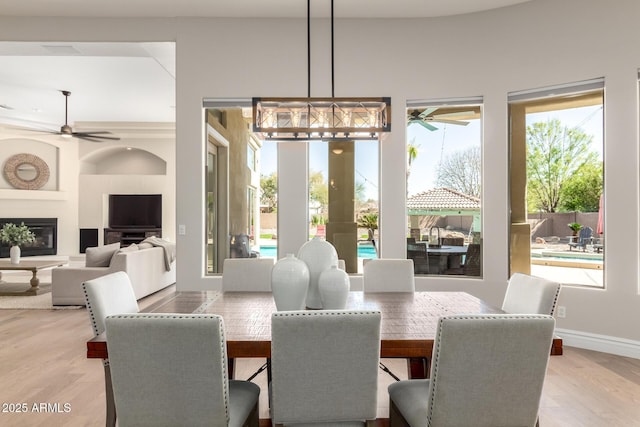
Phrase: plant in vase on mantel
(16, 235)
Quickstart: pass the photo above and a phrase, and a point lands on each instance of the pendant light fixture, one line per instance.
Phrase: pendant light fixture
(308, 119)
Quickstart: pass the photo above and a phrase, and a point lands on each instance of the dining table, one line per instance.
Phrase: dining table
(408, 326)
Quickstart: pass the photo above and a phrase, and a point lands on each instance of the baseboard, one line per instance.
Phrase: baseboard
(602, 343)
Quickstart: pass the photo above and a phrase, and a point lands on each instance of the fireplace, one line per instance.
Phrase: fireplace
(46, 231)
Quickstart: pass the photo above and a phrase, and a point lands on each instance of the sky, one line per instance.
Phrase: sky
(433, 146)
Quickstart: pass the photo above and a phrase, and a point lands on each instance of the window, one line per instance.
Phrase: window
(444, 186)
(343, 198)
(557, 182)
(241, 202)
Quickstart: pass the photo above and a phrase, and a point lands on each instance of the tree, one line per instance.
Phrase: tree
(318, 190)
(412, 154)
(370, 222)
(582, 191)
(269, 191)
(462, 171)
(554, 154)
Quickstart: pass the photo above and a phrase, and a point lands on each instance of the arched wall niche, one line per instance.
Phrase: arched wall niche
(122, 161)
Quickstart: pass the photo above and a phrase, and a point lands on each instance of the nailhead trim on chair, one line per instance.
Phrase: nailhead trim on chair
(555, 301)
(322, 313)
(90, 310)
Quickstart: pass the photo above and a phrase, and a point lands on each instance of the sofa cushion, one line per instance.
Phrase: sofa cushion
(100, 256)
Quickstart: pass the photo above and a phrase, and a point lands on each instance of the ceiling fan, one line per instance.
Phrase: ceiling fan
(427, 116)
(67, 132)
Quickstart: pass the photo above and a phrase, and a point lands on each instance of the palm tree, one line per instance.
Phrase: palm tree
(412, 153)
(370, 222)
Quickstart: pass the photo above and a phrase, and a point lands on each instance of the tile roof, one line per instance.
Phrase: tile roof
(442, 198)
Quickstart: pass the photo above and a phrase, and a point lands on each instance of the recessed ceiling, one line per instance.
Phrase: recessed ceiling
(248, 8)
(109, 82)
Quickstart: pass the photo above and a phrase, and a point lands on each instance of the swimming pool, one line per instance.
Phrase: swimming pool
(364, 251)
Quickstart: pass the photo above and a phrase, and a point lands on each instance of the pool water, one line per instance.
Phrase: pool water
(364, 251)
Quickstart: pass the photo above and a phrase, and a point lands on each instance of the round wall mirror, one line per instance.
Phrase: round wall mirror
(26, 171)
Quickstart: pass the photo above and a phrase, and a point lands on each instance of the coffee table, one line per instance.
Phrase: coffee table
(26, 265)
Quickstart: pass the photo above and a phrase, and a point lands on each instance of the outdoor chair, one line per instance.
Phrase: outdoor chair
(584, 238)
(104, 296)
(325, 366)
(171, 370)
(418, 253)
(531, 295)
(487, 370)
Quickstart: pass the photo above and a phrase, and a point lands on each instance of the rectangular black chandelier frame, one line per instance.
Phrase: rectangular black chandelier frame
(306, 119)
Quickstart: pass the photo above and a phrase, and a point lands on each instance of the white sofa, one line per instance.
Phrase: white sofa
(145, 267)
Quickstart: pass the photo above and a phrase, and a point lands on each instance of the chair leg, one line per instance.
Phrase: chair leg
(111, 404)
(253, 420)
(395, 417)
(388, 371)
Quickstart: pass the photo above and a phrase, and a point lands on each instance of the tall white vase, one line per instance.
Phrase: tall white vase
(289, 283)
(319, 255)
(333, 285)
(14, 253)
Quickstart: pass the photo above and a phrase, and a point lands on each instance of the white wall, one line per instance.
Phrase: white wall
(530, 45)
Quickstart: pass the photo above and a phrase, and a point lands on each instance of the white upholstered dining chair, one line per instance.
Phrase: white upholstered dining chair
(388, 275)
(171, 370)
(247, 274)
(104, 296)
(487, 371)
(325, 366)
(531, 295)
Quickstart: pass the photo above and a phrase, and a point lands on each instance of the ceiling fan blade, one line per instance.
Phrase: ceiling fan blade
(424, 124)
(427, 111)
(450, 122)
(96, 135)
(455, 115)
(89, 138)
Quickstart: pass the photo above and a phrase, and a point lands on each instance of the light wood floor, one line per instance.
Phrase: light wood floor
(42, 361)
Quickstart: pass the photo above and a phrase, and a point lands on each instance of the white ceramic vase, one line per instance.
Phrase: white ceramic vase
(289, 283)
(14, 253)
(319, 255)
(333, 285)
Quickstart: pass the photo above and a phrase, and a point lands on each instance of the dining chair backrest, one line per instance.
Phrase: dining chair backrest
(247, 274)
(531, 295)
(171, 369)
(488, 370)
(324, 366)
(107, 295)
(388, 275)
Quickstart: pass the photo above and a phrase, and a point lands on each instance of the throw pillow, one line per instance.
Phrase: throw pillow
(145, 245)
(100, 256)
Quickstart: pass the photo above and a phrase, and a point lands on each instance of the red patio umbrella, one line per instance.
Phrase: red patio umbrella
(600, 228)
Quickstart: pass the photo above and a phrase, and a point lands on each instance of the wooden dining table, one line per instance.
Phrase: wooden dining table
(409, 321)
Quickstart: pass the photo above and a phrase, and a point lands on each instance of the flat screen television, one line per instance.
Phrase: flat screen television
(135, 210)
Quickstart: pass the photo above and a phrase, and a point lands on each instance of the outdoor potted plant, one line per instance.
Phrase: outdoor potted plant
(575, 227)
(16, 235)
